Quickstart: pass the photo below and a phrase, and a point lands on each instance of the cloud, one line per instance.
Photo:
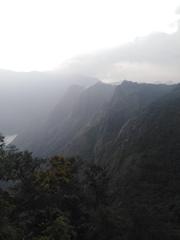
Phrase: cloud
(154, 58)
(178, 10)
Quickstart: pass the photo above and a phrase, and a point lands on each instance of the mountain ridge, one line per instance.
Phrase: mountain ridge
(94, 119)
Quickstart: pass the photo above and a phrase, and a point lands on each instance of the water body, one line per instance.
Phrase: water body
(9, 139)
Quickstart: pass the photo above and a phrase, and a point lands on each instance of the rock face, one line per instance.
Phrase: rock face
(128, 101)
(97, 141)
(151, 141)
(146, 166)
(87, 122)
(78, 110)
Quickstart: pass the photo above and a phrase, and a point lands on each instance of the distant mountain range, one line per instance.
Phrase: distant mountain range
(26, 99)
(89, 122)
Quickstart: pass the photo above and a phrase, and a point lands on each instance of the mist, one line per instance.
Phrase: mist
(27, 98)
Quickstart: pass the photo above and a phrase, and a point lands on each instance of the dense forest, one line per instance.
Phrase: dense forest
(55, 199)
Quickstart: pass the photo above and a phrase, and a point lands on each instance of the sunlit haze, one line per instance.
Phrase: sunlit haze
(41, 34)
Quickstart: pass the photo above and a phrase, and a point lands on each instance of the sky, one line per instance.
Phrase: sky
(43, 34)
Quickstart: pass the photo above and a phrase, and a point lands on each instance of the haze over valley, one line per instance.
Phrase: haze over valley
(89, 120)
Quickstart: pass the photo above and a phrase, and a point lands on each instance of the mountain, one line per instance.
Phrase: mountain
(87, 122)
(133, 131)
(145, 165)
(96, 142)
(76, 112)
(128, 100)
(152, 139)
(155, 131)
(27, 98)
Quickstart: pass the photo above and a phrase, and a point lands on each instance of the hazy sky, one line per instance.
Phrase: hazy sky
(41, 34)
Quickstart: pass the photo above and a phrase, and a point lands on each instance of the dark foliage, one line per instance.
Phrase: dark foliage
(54, 199)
